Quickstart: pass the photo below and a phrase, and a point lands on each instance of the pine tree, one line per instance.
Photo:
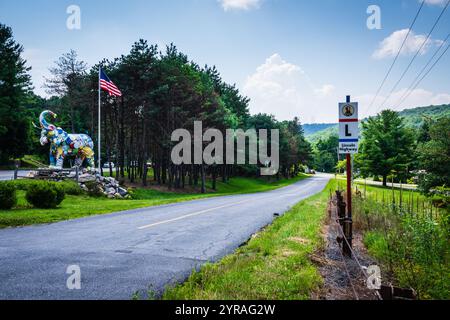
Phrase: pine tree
(15, 86)
(434, 156)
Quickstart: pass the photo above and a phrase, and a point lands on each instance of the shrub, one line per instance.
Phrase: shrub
(132, 194)
(45, 195)
(441, 197)
(8, 197)
(22, 184)
(410, 242)
(94, 189)
(71, 187)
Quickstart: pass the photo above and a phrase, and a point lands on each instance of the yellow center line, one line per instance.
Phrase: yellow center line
(192, 215)
(212, 209)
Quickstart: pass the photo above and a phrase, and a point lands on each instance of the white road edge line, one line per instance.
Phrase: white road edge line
(192, 215)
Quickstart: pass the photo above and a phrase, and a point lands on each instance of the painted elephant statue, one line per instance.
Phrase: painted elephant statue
(64, 145)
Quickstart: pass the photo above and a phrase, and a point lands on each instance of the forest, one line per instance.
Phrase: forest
(162, 91)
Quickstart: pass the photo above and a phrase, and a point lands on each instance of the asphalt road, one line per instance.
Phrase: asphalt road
(9, 175)
(380, 184)
(6, 175)
(122, 253)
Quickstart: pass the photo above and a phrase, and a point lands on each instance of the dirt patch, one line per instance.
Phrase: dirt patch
(287, 253)
(300, 240)
(343, 278)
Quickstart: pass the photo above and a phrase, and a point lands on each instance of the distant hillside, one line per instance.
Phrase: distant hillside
(413, 118)
(311, 129)
(324, 134)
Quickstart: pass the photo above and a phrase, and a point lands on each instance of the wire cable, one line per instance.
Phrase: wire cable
(415, 56)
(397, 56)
(401, 100)
(426, 74)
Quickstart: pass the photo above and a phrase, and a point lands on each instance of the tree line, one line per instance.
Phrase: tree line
(162, 91)
(390, 150)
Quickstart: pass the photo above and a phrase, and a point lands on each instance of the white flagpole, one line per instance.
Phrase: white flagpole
(99, 124)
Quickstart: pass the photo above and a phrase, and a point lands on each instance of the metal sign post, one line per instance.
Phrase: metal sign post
(348, 145)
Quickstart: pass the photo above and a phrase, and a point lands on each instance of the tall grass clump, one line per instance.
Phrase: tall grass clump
(409, 236)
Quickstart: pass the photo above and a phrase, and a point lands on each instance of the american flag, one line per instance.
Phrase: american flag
(109, 86)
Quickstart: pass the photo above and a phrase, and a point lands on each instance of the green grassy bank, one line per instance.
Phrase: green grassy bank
(273, 265)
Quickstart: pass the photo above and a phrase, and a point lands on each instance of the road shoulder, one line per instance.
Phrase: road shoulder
(274, 264)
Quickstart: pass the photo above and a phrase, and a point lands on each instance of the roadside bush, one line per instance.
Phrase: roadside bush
(409, 240)
(70, 187)
(8, 197)
(132, 194)
(94, 189)
(441, 197)
(22, 184)
(45, 194)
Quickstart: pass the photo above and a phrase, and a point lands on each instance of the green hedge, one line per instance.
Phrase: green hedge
(70, 187)
(45, 194)
(8, 196)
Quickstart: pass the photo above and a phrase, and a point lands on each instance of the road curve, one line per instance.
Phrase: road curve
(125, 252)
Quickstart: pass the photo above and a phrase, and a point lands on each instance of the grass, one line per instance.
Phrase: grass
(274, 265)
(82, 206)
(408, 237)
(237, 185)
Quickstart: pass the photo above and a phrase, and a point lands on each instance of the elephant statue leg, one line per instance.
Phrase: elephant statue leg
(91, 162)
(60, 158)
(52, 159)
(79, 161)
(88, 154)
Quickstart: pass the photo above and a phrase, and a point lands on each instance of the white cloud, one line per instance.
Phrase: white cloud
(283, 89)
(389, 46)
(442, 98)
(326, 90)
(228, 5)
(435, 2)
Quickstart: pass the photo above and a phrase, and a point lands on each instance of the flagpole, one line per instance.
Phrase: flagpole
(99, 123)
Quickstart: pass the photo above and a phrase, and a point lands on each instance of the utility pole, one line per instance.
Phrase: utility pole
(348, 145)
(99, 157)
(349, 221)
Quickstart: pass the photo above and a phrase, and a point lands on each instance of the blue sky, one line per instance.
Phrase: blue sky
(291, 57)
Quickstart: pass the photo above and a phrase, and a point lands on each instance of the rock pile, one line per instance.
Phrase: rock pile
(89, 181)
(105, 185)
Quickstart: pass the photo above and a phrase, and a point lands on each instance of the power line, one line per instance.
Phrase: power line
(415, 56)
(397, 56)
(426, 74)
(422, 71)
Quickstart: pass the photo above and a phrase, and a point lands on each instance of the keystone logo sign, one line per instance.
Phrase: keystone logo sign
(348, 128)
